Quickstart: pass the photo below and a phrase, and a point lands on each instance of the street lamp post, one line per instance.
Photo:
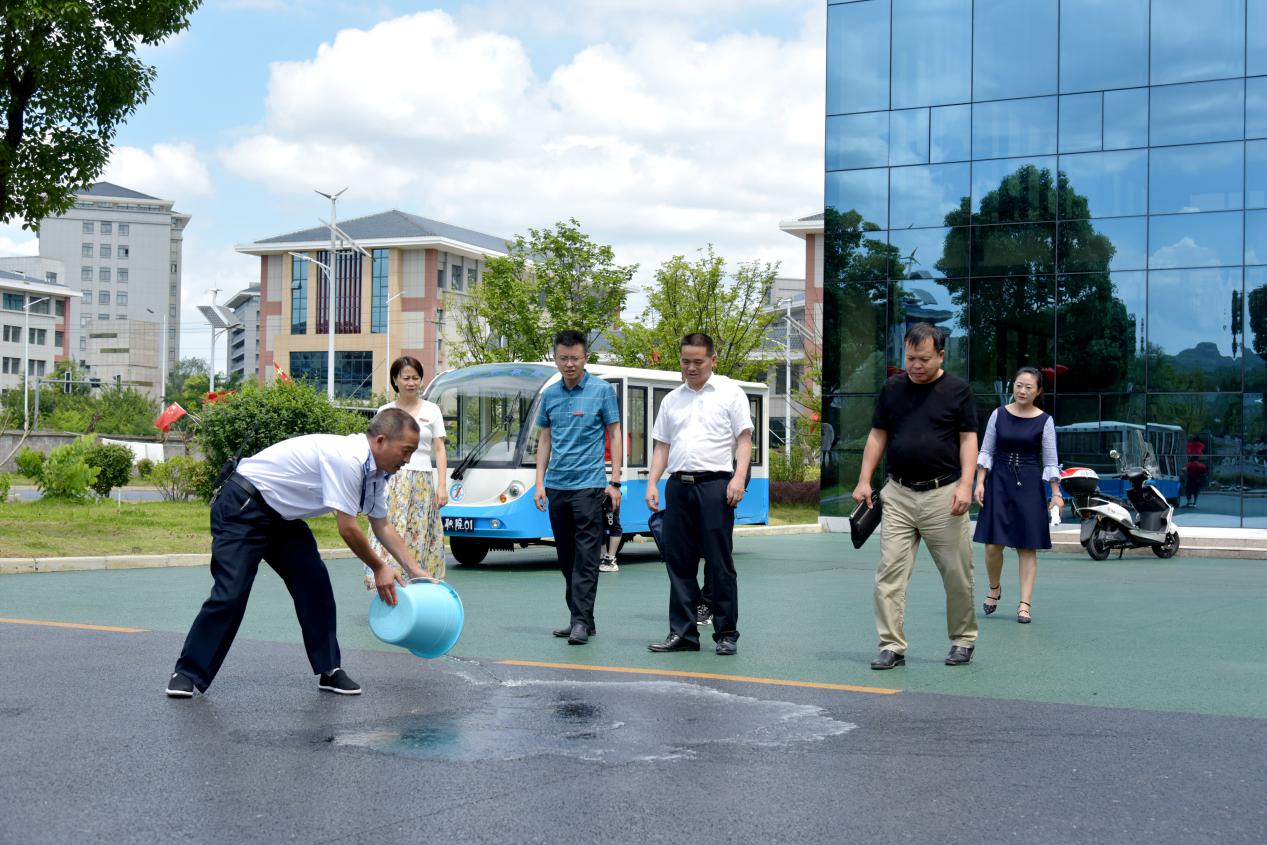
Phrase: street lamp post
(787, 378)
(330, 282)
(26, 360)
(162, 363)
(388, 334)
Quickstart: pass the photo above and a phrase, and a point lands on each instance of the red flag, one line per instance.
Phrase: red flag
(169, 416)
(281, 374)
(217, 396)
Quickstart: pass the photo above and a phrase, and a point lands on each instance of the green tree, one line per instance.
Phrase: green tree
(700, 296)
(69, 75)
(1029, 275)
(552, 280)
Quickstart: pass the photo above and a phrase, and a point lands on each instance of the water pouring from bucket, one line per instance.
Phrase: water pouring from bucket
(427, 619)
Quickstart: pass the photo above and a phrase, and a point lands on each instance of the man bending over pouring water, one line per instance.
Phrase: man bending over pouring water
(259, 515)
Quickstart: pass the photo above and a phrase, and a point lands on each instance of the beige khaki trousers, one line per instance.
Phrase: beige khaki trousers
(908, 518)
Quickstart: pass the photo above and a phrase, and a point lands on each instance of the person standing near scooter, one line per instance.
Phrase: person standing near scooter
(1018, 456)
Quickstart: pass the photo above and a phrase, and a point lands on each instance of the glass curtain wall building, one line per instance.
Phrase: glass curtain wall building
(1076, 185)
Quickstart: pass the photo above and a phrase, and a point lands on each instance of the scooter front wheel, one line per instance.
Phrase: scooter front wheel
(1096, 547)
(1169, 548)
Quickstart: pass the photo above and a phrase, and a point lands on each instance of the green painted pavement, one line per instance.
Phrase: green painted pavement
(1180, 635)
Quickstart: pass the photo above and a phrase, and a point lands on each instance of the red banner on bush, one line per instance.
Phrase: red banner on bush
(165, 419)
(217, 396)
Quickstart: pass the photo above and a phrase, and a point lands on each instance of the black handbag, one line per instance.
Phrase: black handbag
(864, 519)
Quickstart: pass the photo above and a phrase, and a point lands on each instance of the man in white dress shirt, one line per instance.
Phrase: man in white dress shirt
(703, 438)
(259, 515)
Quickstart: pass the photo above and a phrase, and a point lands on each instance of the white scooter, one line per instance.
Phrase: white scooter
(1108, 524)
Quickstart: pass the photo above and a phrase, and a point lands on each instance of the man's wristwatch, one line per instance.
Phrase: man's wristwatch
(615, 484)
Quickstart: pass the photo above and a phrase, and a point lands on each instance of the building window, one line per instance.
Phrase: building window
(106, 226)
(104, 274)
(37, 337)
(352, 371)
(87, 297)
(59, 308)
(83, 343)
(124, 229)
(123, 253)
(103, 316)
(50, 277)
(35, 367)
(87, 228)
(440, 277)
(457, 276)
(298, 295)
(13, 301)
(103, 297)
(13, 366)
(105, 250)
(378, 293)
(120, 316)
(85, 250)
(40, 307)
(12, 334)
(174, 267)
(85, 274)
(122, 277)
(472, 276)
(59, 339)
(121, 299)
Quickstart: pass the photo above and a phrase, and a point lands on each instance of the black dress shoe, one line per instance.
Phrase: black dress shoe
(579, 634)
(959, 656)
(674, 643)
(888, 659)
(567, 632)
(726, 647)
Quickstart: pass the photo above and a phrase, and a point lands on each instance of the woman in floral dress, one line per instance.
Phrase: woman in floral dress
(416, 493)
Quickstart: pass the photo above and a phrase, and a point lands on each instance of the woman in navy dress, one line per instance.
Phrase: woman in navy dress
(1017, 458)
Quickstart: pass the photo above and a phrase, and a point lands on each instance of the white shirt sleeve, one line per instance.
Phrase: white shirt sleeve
(985, 457)
(1051, 462)
(437, 425)
(740, 416)
(341, 478)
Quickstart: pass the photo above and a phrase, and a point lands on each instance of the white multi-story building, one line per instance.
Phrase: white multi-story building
(34, 315)
(122, 250)
(244, 341)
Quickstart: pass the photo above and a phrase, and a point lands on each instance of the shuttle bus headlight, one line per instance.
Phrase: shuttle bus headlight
(514, 491)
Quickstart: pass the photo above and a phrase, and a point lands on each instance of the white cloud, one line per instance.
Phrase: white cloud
(14, 241)
(657, 143)
(168, 171)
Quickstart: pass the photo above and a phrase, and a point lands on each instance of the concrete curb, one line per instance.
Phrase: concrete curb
(26, 565)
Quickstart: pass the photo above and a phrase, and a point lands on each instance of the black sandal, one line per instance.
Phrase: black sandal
(1024, 620)
(990, 608)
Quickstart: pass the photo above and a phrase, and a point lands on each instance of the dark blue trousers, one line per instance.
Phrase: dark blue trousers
(698, 523)
(245, 531)
(576, 519)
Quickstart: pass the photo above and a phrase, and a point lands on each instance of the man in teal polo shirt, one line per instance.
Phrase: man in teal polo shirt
(572, 477)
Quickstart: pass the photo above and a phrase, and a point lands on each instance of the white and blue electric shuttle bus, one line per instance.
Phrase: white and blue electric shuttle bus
(490, 415)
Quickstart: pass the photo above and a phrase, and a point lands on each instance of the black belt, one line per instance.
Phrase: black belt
(699, 477)
(931, 484)
(250, 489)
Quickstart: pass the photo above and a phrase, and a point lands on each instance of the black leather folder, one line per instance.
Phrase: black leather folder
(864, 519)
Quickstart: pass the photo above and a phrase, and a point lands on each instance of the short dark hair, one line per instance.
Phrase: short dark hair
(1031, 371)
(920, 332)
(698, 339)
(570, 337)
(400, 364)
(392, 423)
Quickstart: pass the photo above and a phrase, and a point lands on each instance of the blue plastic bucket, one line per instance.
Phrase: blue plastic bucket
(427, 618)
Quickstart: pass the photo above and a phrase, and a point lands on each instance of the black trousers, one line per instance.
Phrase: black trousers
(576, 519)
(698, 523)
(245, 531)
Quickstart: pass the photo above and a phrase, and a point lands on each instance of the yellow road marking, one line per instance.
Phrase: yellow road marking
(73, 625)
(672, 673)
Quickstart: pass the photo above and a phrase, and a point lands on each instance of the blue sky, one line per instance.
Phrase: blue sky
(661, 125)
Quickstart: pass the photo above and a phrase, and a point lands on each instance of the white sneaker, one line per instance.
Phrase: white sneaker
(608, 564)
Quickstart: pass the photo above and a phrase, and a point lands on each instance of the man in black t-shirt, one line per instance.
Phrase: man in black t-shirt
(927, 420)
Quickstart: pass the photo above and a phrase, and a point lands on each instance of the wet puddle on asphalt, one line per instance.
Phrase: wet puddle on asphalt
(603, 721)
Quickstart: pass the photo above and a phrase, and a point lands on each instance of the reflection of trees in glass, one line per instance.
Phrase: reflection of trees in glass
(1012, 313)
(857, 266)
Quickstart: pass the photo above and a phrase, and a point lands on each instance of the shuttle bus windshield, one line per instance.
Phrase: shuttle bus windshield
(490, 405)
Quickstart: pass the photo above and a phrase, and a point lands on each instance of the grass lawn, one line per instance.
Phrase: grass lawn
(60, 529)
